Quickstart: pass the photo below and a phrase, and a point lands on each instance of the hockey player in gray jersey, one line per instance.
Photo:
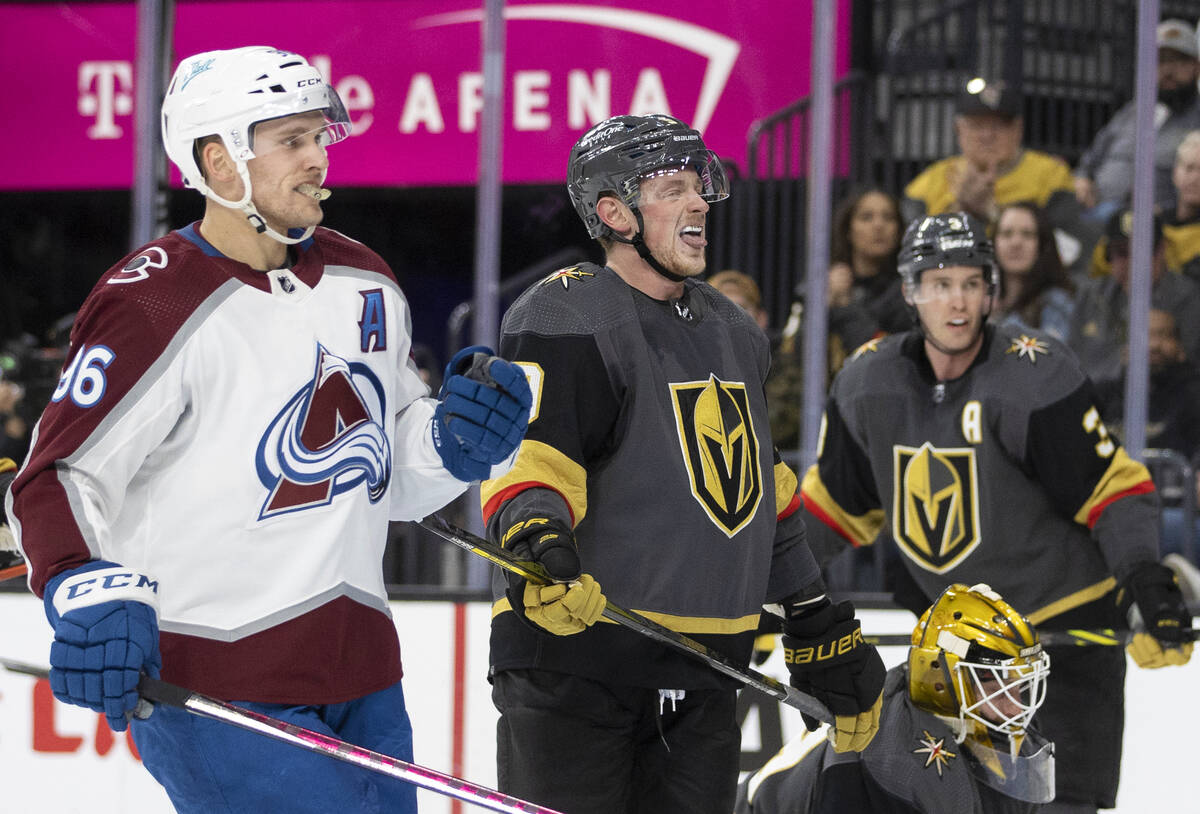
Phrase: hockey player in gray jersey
(981, 449)
(648, 469)
(954, 736)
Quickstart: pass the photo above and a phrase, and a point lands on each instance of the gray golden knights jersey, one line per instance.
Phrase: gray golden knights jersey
(649, 436)
(1005, 475)
(913, 766)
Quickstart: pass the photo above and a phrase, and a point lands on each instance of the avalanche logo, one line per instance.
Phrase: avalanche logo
(327, 440)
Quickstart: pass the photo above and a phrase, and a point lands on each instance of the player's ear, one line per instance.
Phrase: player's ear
(216, 163)
(614, 214)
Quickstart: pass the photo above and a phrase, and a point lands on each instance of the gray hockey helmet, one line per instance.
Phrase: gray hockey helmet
(940, 241)
(616, 154)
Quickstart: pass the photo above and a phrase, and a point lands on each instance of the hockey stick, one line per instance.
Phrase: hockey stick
(13, 571)
(534, 572)
(1103, 637)
(161, 692)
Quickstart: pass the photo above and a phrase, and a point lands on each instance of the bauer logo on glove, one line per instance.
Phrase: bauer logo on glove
(825, 651)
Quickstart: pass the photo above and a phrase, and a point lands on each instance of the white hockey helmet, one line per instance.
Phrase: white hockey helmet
(225, 93)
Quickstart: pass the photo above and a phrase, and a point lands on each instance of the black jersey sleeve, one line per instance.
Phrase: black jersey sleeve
(573, 422)
(839, 490)
(1091, 479)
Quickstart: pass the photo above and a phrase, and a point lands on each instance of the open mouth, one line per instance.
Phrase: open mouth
(693, 236)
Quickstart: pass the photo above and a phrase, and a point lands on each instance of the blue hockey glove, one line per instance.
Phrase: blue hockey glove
(483, 412)
(827, 658)
(105, 621)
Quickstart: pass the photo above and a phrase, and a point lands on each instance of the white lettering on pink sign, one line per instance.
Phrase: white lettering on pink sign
(105, 92)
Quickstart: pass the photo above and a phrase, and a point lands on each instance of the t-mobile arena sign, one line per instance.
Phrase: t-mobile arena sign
(410, 73)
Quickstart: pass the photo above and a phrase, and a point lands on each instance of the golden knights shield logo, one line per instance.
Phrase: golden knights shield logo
(720, 448)
(936, 511)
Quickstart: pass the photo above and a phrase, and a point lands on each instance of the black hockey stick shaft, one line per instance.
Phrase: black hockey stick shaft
(534, 572)
(162, 692)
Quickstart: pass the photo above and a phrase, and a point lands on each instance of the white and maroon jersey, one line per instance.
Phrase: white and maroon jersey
(243, 438)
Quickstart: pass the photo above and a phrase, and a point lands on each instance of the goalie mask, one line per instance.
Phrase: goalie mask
(618, 153)
(226, 93)
(978, 665)
(976, 659)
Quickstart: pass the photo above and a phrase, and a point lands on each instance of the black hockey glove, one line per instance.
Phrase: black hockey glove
(569, 604)
(825, 653)
(483, 412)
(1161, 623)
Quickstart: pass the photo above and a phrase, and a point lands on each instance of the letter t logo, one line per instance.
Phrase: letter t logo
(113, 81)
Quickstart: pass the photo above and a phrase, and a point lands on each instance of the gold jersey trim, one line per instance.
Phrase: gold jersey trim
(539, 463)
(1123, 475)
(785, 486)
(863, 529)
(1071, 601)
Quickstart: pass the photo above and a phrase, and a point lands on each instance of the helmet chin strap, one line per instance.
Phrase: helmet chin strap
(639, 243)
(251, 211)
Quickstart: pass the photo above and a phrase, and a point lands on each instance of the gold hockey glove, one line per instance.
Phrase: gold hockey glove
(827, 658)
(573, 601)
(564, 608)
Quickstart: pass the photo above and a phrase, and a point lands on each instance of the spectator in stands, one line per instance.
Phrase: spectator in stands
(863, 296)
(1099, 325)
(1035, 289)
(862, 253)
(1104, 177)
(1181, 225)
(994, 169)
(1172, 414)
(743, 292)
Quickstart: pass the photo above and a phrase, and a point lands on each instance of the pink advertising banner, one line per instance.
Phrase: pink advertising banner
(410, 74)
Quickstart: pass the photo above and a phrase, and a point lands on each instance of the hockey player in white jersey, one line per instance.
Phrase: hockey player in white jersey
(209, 489)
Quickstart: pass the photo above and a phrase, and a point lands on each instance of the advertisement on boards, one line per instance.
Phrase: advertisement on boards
(410, 74)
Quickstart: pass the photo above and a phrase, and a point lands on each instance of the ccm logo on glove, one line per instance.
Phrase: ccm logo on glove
(823, 652)
(104, 585)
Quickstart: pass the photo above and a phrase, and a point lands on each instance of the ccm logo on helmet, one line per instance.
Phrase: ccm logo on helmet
(825, 652)
(303, 83)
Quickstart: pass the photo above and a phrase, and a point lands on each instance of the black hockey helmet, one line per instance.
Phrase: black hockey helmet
(950, 239)
(617, 153)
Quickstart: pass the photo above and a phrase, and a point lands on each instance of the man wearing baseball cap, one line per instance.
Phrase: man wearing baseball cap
(1104, 177)
(994, 169)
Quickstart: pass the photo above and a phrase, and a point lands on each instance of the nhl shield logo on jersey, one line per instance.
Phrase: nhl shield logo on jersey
(720, 449)
(936, 510)
(327, 440)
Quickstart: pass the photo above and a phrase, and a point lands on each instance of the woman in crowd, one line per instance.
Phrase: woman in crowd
(1035, 289)
(866, 238)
